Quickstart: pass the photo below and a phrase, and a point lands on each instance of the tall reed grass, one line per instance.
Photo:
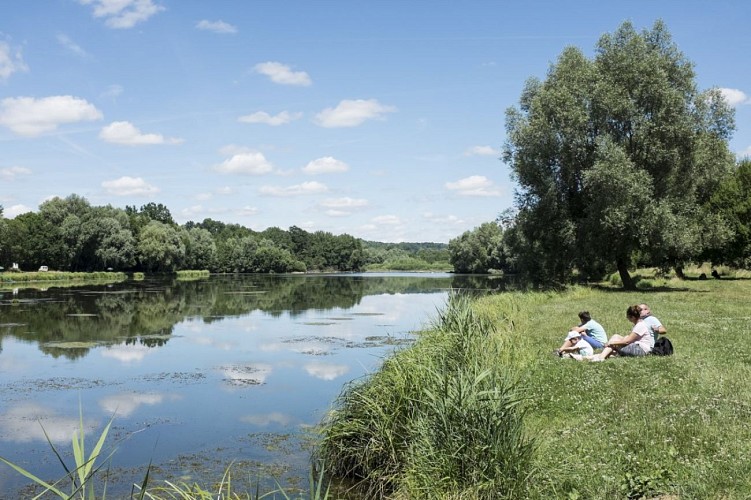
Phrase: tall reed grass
(443, 418)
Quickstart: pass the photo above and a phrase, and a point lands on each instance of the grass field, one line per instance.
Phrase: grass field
(656, 427)
(640, 427)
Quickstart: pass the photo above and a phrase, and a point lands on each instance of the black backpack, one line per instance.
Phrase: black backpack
(663, 347)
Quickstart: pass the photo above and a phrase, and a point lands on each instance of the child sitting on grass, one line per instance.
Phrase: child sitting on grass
(579, 348)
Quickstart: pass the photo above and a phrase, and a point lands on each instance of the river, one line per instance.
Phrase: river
(197, 374)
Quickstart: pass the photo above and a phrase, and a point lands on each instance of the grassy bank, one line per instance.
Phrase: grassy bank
(625, 428)
(60, 276)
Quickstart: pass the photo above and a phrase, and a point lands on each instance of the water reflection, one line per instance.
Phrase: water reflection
(197, 373)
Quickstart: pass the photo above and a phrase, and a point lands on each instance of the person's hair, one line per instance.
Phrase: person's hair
(584, 316)
(633, 312)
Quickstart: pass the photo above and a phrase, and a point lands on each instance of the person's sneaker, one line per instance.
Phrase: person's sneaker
(596, 359)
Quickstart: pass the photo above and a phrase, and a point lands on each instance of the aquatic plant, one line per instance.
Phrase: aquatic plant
(81, 478)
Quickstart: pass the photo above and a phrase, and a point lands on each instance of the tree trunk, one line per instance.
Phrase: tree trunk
(628, 282)
(679, 273)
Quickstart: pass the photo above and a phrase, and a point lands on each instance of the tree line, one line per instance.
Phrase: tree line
(69, 234)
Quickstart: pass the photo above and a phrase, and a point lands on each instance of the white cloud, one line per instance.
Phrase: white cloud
(129, 186)
(10, 61)
(262, 117)
(386, 220)
(247, 211)
(735, 97)
(70, 45)
(10, 173)
(475, 185)
(342, 207)
(14, 210)
(217, 27)
(345, 203)
(250, 163)
(297, 190)
(325, 165)
(121, 14)
(127, 134)
(443, 219)
(29, 117)
(351, 113)
(481, 151)
(282, 74)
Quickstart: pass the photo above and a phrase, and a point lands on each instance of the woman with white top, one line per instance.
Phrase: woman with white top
(637, 343)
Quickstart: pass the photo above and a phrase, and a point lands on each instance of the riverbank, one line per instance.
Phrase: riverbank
(48, 276)
(623, 428)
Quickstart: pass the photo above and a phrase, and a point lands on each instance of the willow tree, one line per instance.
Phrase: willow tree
(614, 158)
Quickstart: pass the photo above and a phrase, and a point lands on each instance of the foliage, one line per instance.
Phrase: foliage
(732, 200)
(479, 250)
(439, 418)
(614, 156)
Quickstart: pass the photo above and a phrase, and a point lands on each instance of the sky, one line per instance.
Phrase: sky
(382, 119)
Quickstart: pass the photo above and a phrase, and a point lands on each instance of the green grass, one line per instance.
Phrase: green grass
(625, 428)
(13, 277)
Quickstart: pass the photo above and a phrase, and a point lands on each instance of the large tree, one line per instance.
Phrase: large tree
(615, 158)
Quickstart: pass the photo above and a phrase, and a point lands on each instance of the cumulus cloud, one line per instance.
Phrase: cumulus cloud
(10, 61)
(129, 186)
(123, 14)
(217, 27)
(282, 74)
(296, 190)
(735, 97)
(249, 163)
(351, 113)
(10, 173)
(475, 185)
(30, 117)
(325, 165)
(262, 117)
(14, 210)
(481, 151)
(127, 134)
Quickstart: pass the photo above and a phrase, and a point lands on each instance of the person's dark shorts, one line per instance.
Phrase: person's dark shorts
(633, 350)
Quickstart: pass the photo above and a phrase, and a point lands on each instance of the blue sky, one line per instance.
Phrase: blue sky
(380, 119)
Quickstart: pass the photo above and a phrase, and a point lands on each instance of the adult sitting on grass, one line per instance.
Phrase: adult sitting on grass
(654, 324)
(637, 343)
(591, 332)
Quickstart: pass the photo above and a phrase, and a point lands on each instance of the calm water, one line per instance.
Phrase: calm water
(196, 373)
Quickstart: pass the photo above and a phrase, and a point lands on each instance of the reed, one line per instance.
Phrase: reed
(440, 418)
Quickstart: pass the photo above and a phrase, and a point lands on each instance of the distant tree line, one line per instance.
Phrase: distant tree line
(69, 234)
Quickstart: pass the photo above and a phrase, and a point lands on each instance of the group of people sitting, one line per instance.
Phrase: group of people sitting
(589, 335)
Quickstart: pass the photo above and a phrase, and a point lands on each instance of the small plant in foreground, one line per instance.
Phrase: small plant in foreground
(82, 476)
